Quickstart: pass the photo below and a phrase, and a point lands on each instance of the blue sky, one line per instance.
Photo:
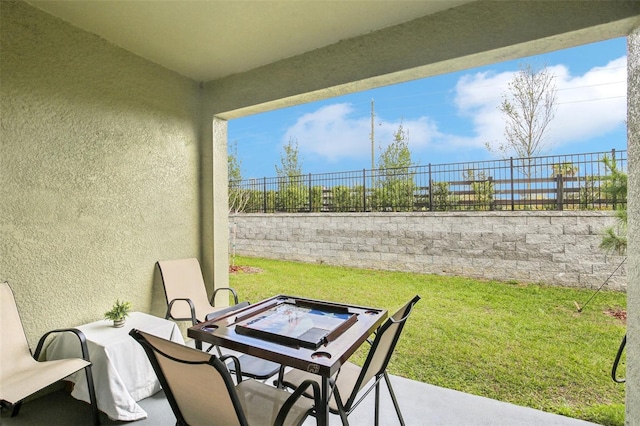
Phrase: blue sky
(449, 117)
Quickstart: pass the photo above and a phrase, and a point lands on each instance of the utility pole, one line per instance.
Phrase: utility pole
(372, 137)
(373, 161)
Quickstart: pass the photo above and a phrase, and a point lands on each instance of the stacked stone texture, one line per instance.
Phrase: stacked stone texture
(555, 248)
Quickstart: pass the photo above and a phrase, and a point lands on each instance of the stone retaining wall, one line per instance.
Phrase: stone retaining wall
(551, 247)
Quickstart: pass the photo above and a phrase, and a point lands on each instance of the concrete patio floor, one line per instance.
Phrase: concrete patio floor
(421, 404)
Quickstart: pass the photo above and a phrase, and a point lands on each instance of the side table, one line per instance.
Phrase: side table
(121, 370)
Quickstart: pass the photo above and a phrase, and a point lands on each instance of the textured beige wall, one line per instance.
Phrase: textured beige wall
(633, 293)
(99, 171)
(214, 259)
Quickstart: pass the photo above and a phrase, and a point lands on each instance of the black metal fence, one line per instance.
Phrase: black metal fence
(575, 181)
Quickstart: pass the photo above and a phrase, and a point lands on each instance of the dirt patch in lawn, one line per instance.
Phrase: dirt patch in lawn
(619, 313)
(237, 269)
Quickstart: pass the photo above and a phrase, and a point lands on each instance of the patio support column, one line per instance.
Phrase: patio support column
(215, 211)
(633, 207)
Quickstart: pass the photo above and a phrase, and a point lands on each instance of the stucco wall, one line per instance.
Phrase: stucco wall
(559, 248)
(99, 171)
(633, 296)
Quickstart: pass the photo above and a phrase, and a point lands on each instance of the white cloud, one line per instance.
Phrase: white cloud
(332, 133)
(592, 104)
(477, 98)
(587, 106)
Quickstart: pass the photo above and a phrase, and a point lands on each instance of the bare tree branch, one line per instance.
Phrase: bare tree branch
(529, 106)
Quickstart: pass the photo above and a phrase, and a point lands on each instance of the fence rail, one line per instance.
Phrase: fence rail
(574, 181)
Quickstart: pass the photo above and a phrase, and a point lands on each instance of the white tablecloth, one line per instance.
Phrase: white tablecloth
(121, 370)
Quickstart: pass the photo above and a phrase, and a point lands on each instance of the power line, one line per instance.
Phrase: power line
(430, 94)
(440, 92)
(423, 107)
(590, 100)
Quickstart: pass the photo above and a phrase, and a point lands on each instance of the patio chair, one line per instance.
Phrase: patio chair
(200, 390)
(185, 291)
(352, 379)
(21, 374)
(187, 301)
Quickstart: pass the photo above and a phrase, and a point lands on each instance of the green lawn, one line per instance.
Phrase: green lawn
(525, 344)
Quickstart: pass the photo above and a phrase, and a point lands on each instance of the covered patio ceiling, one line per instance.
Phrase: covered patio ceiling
(208, 40)
(213, 40)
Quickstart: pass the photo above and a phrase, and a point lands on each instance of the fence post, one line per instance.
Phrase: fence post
(615, 198)
(513, 207)
(430, 190)
(310, 195)
(491, 193)
(264, 194)
(364, 190)
(560, 191)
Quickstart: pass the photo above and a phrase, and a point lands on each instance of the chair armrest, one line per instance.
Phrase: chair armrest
(213, 297)
(79, 334)
(225, 311)
(191, 307)
(286, 407)
(617, 361)
(236, 363)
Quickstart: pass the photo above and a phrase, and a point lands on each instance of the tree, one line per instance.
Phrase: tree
(396, 157)
(395, 185)
(482, 187)
(238, 197)
(616, 187)
(528, 106)
(233, 163)
(290, 162)
(566, 169)
(292, 194)
(441, 196)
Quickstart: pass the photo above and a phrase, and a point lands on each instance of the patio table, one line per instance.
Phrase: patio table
(321, 348)
(121, 370)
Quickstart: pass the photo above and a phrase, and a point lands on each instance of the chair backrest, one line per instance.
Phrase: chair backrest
(182, 278)
(14, 348)
(382, 348)
(197, 385)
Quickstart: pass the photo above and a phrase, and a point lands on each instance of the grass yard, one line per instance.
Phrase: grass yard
(524, 344)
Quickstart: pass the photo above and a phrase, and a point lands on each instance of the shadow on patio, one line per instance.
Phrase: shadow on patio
(421, 404)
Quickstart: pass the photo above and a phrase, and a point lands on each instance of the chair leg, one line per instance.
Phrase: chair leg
(92, 395)
(393, 398)
(279, 382)
(377, 407)
(343, 417)
(341, 410)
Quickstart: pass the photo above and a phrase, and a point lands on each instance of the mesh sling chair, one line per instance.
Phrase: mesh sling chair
(187, 301)
(352, 379)
(21, 374)
(201, 391)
